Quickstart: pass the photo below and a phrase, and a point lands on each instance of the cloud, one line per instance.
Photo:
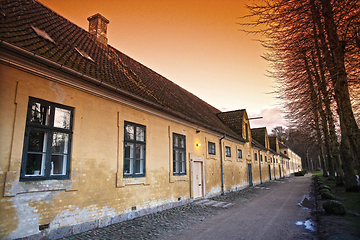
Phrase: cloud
(271, 117)
(223, 109)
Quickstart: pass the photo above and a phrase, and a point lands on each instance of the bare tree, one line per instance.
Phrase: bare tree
(313, 47)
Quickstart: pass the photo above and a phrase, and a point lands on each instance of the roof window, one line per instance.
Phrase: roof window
(84, 54)
(42, 34)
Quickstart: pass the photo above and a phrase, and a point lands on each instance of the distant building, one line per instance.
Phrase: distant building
(295, 164)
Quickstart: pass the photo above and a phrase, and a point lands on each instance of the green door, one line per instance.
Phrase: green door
(250, 174)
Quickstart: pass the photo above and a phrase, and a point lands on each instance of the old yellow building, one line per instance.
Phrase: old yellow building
(90, 137)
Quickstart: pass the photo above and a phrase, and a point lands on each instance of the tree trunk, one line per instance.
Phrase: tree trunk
(322, 87)
(350, 134)
(314, 107)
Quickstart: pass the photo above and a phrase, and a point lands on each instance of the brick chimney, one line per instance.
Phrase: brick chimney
(98, 26)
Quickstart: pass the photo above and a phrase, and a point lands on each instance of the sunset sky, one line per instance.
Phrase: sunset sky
(194, 43)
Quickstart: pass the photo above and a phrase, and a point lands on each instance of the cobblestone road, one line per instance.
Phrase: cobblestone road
(168, 222)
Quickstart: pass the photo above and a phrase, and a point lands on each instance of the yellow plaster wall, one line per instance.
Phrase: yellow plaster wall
(212, 167)
(96, 189)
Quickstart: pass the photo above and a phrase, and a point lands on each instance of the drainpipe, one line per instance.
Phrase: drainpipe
(260, 167)
(222, 168)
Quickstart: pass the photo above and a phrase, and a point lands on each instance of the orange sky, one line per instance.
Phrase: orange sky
(194, 43)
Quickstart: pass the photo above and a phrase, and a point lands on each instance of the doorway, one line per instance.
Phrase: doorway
(269, 171)
(198, 188)
(250, 174)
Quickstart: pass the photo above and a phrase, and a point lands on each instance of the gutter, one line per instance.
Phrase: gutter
(57, 66)
(222, 167)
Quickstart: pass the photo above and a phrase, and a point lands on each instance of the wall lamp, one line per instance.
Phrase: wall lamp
(197, 144)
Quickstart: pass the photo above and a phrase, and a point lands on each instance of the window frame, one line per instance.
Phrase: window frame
(211, 148)
(227, 151)
(48, 128)
(255, 157)
(176, 159)
(135, 142)
(239, 153)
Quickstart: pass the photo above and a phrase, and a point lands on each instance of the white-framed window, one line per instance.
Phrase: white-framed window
(239, 153)
(47, 141)
(227, 151)
(211, 148)
(179, 154)
(134, 150)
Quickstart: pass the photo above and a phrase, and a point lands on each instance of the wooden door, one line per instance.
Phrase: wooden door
(269, 171)
(198, 180)
(250, 174)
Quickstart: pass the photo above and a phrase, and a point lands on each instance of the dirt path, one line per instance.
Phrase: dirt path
(275, 214)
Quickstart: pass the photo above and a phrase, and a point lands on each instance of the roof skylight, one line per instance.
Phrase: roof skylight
(42, 34)
(84, 54)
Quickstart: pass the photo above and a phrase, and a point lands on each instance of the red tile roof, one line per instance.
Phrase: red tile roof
(19, 18)
(259, 134)
(234, 120)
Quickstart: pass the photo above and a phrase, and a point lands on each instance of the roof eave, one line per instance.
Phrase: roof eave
(99, 83)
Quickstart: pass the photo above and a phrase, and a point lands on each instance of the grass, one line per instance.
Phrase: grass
(316, 174)
(351, 200)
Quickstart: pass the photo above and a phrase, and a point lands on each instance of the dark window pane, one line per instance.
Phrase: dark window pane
(58, 165)
(181, 161)
(62, 118)
(178, 166)
(175, 160)
(140, 134)
(227, 152)
(129, 150)
(39, 114)
(181, 142)
(129, 132)
(37, 141)
(139, 166)
(60, 142)
(140, 151)
(34, 164)
(176, 141)
(239, 153)
(211, 148)
(127, 166)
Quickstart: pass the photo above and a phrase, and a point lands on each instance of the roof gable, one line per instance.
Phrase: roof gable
(234, 120)
(274, 143)
(260, 135)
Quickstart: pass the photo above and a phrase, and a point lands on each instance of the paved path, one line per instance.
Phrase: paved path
(267, 211)
(275, 214)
